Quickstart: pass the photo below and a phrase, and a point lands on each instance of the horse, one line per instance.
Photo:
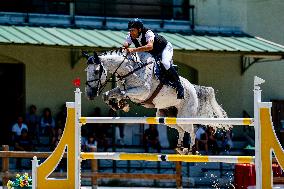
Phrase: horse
(137, 82)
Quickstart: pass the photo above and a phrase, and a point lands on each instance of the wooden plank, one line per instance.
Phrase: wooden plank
(25, 154)
(179, 174)
(5, 166)
(133, 176)
(278, 180)
(106, 175)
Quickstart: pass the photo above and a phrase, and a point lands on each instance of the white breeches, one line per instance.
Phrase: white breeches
(167, 56)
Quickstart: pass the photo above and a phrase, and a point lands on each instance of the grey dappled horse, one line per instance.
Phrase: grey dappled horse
(136, 81)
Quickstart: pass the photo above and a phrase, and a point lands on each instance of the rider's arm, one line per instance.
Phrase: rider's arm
(150, 36)
(147, 47)
(127, 41)
(125, 44)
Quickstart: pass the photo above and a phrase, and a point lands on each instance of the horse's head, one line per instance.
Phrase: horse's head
(96, 75)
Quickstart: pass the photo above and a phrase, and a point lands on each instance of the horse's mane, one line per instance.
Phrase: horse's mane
(118, 51)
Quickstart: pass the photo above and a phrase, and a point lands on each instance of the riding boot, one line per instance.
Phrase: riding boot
(174, 77)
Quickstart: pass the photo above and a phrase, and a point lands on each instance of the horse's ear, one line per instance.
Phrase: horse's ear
(85, 54)
(96, 58)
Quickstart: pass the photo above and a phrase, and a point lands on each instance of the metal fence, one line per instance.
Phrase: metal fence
(147, 9)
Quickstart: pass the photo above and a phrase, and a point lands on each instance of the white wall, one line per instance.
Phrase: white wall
(223, 73)
(262, 18)
(265, 18)
(49, 76)
(220, 13)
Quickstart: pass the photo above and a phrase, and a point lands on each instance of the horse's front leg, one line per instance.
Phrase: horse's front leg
(139, 93)
(115, 98)
(115, 93)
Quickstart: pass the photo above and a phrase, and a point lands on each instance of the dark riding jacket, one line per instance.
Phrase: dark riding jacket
(159, 43)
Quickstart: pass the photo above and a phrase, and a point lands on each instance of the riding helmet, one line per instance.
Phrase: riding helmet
(135, 23)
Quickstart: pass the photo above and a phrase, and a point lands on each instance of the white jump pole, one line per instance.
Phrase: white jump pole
(168, 120)
(257, 101)
(166, 157)
(78, 138)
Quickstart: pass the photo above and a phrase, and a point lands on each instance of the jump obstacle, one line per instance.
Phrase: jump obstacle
(266, 142)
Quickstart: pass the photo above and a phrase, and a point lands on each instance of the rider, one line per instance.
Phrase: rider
(146, 40)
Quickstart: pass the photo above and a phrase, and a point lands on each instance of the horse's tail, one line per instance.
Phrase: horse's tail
(208, 105)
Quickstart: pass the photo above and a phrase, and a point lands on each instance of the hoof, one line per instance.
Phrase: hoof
(185, 151)
(197, 153)
(113, 105)
(179, 151)
(194, 150)
(179, 146)
(126, 108)
(123, 105)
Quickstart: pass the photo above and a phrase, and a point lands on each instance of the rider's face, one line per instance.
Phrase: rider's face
(134, 32)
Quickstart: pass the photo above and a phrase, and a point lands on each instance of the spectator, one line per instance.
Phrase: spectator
(32, 120)
(18, 127)
(212, 141)
(56, 138)
(119, 129)
(47, 124)
(151, 136)
(101, 131)
(91, 144)
(84, 138)
(61, 117)
(201, 139)
(22, 143)
(91, 128)
(227, 142)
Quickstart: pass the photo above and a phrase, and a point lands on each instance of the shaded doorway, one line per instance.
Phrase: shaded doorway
(12, 97)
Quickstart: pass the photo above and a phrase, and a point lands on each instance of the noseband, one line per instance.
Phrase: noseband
(97, 88)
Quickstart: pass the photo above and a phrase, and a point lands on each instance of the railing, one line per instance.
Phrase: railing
(6, 174)
(148, 9)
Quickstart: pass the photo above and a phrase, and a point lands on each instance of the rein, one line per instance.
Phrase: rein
(110, 78)
(120, 78)
(133, 71)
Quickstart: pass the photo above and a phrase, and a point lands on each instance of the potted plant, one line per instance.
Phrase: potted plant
(21, 182)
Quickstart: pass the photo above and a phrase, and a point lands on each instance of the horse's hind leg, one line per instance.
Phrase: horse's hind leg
(164, 113)
(188, 110)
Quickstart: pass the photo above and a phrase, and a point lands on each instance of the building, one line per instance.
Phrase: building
(41, 42)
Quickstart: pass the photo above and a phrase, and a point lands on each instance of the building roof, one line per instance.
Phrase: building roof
(202, 42)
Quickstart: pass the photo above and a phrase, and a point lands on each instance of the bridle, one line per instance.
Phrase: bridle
(100, 87)
(96, 89)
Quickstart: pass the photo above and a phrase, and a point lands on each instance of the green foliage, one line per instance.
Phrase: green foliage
(22, 181)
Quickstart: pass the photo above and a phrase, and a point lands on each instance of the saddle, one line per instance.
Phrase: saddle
(163, 76)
